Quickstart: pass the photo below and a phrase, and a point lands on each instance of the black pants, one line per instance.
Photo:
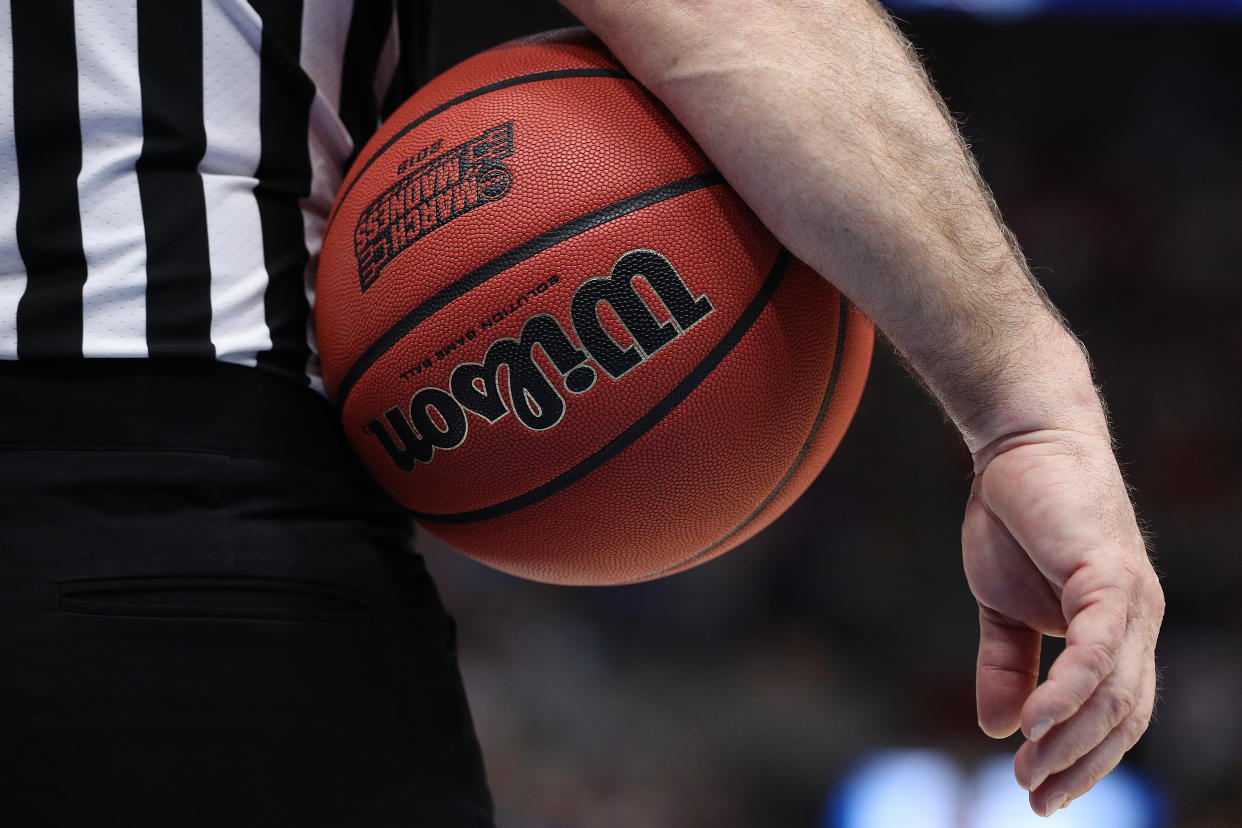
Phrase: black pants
(209, 617)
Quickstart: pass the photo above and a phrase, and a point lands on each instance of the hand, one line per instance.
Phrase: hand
(1051, 547)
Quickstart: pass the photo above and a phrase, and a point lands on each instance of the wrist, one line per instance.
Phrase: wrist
(1042, 388)
(1069, 413)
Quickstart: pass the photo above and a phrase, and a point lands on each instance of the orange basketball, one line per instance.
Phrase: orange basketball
(559, 339)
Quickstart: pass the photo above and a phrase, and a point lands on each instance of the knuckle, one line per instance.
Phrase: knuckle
(1099, 657)
(1119, 703)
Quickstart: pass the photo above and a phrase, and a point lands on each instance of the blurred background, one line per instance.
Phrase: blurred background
(822, 674)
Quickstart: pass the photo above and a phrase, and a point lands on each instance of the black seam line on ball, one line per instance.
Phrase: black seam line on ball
(837, 359)
(513, 257)
(534, 77)
(644, 423)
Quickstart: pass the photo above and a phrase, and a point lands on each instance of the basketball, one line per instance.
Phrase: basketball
(560, 340)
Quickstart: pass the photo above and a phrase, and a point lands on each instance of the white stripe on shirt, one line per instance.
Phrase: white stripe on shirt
(12, 269)
(324, 31)
(232, 40)
(114, 304)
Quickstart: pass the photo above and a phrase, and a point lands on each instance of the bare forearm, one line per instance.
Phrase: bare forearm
(821, 119)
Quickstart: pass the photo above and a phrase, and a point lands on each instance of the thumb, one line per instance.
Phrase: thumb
(1007, 671)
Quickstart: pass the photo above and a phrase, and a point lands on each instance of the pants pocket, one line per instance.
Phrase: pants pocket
(260, 599)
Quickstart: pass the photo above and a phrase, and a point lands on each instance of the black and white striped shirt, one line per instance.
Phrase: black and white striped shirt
(166, 167)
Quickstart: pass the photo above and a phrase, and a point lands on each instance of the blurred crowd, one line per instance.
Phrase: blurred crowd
(741, 693)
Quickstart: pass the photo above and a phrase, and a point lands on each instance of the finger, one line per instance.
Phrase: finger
(1002, 575)
(1066, 786)
(1094, 638)
(1007, 671)
(1111, 703)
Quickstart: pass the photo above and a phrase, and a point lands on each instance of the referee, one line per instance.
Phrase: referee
(209, 617)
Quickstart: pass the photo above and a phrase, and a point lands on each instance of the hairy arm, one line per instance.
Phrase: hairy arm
(821, 118)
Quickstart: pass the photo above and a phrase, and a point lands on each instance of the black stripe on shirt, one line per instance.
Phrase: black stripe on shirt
(48, 138)
(174, 211)
(284, 177)
(368, 30)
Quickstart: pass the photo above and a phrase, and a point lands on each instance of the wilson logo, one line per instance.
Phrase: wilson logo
(437, 418)
(447, 186)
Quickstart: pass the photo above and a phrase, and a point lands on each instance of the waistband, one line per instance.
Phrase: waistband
(177, 405)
